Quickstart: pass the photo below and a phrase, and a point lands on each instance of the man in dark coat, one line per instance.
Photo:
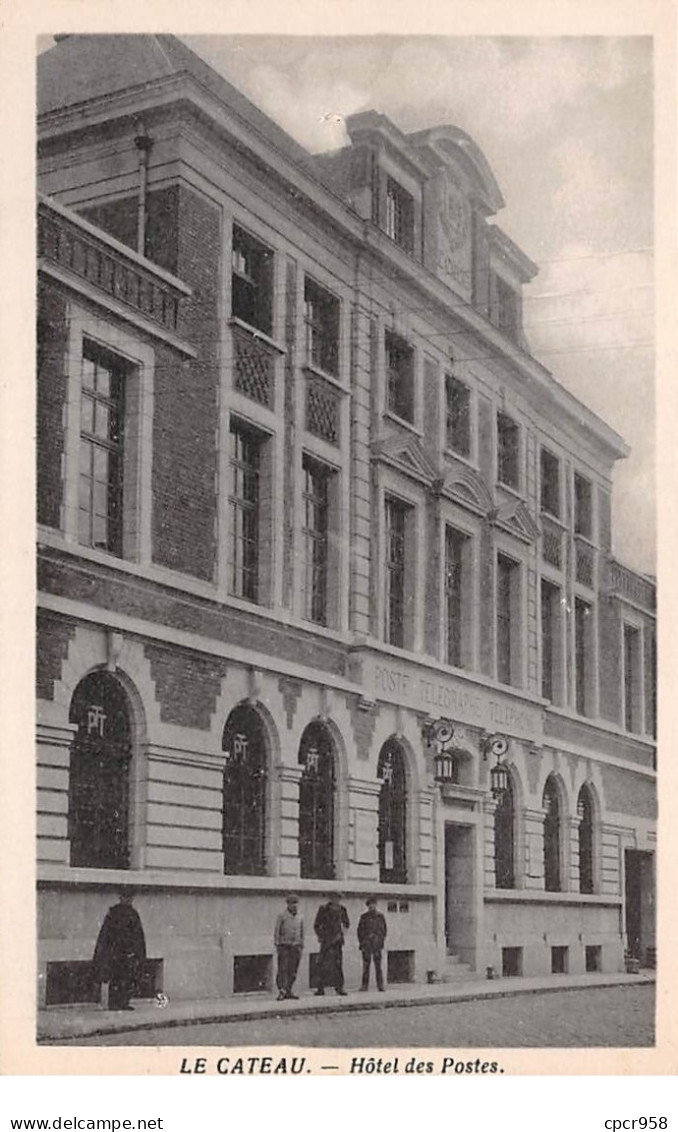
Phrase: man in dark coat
(371, 936)
(120, 952)
(329, 926)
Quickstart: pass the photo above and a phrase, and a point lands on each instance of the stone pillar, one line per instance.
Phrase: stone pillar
(287, 864)
(571, 862)
(488, 863)
(534, 848)
(363, 830)
(53, 765)
(424, 863)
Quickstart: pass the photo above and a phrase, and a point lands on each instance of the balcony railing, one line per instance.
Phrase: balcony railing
(551, 543)
(71, 244)
(254, 367)
(627, 584)
(584, 563)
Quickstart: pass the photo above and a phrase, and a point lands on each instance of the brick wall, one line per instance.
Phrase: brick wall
(187, 685)
(185, 421)
(52, 640)
(51, 392)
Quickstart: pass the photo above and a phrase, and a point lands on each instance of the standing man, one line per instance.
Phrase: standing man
(289, 944)
(371, 936)
(120, 952)
(329, 927)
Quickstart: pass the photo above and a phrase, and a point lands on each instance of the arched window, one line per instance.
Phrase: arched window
(504, 839)
(98, 787)
(585, 815)
(392, 815)
(316, 803)
(551, 803)
(244, 815)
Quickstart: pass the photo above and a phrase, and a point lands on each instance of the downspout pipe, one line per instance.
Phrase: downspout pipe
(144, 144)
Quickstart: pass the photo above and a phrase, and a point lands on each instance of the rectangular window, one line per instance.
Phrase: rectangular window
(458, 415)
(508, 451)
(632, 679)
(551, 621)
(508, 620)
(550, 483)
(252, 281)
(456, 605)
(583, 507)
(399, 377)
(316, 493)
(322, 328)
(507, 307)
(583, 616)
(246, 447)
(102, 427)
(396, 526)
(399, 215)
(559, 960)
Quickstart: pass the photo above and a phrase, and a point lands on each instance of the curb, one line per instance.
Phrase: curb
(312, 1009)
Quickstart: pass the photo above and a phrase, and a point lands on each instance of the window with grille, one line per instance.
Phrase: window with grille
(316, 497)
(244, 801)
(585, 815)
(392, 815)
(396, 528)
(316, 803)
(583, 506)
(508, 451)
(102, 433)
(550, 483)
(245, 463)
(251, 281)
(456, 545)
(399, 215)
(99, 778)
(399, 377)
(322, 327)
(504, 839)
(551, 804)
(458, 415)
(507, 619)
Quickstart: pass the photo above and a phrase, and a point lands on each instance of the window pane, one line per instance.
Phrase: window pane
(103, 380)
(101, 420)
(87, 373)
(87, 415)
(100, 463)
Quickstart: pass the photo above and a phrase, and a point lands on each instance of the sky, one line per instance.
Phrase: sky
(566, 124)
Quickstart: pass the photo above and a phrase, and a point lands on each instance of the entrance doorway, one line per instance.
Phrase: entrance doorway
(640, 915)
(460, 909)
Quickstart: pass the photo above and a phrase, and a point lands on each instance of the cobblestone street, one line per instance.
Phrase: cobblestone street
(606, 1016)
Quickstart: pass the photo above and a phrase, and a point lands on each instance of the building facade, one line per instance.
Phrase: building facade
(326, 590)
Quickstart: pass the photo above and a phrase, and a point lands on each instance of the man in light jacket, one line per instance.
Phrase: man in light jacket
(289, 944)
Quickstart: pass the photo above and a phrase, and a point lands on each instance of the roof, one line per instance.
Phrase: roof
(80, 68)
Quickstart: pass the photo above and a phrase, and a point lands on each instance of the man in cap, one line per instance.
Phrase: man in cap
(289, 944)
(371, 936)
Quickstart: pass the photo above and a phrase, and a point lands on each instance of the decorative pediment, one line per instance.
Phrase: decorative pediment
(465, 486)
(514, 517)
(408, 455)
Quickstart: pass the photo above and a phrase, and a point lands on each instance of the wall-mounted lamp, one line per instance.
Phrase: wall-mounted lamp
(439, 734)
(496, 745)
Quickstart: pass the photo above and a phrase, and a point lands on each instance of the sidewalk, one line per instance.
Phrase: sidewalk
(68, 1023)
